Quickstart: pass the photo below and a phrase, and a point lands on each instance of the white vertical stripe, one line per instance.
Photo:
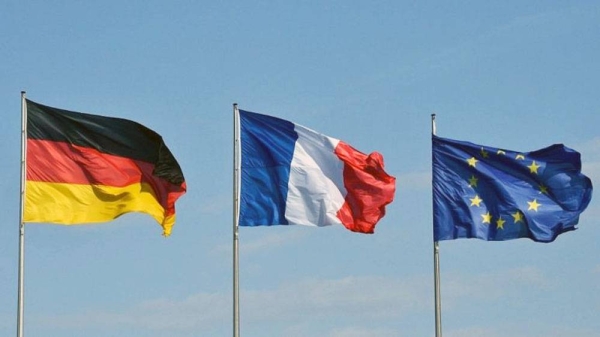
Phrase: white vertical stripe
(316, 186)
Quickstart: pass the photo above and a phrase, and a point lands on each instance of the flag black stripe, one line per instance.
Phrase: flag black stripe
(115, 136)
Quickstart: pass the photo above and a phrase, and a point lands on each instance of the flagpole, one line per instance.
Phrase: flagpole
(236, 278)
(21, 223)
(436, 269)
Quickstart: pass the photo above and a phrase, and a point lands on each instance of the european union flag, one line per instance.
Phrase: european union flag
(495, 195)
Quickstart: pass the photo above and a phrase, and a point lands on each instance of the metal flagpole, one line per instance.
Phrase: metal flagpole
(21, 210)
(436, 269)
(236, 172)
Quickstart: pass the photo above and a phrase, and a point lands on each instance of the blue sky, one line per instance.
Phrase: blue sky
(511, 74)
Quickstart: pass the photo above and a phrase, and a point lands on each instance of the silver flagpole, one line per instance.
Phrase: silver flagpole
(236, 172)
(21, 210)
(436, 268)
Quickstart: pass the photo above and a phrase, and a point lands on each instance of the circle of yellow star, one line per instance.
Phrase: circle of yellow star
(518, 216)
(500, 223)
(487, 217)
(533, 205)
(543, 189)
(484, 153)
(473, 181)
(520, 157)
(501, 152)
(533, 168)
(472, 161)
(476, 201)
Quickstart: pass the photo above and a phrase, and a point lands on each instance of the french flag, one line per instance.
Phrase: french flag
(291, 175)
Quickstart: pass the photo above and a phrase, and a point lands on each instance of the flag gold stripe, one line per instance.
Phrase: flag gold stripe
(71, 204)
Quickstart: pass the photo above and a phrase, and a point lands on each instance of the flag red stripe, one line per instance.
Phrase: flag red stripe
(59, 162)
(368, 186)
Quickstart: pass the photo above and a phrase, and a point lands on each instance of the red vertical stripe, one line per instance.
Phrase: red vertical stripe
(369, 189)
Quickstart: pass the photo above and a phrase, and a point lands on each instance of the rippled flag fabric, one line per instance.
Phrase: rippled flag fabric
(496, 194)
(291, 175)
(84, 168)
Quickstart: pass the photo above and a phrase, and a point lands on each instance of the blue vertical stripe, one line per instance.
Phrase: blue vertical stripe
(267, 148)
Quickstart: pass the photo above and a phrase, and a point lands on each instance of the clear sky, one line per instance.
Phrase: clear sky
(520, 75)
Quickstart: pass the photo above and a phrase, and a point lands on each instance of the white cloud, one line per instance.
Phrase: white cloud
(353, 330)
(363, 332)
(478, 289)
(361, 297)
(195, 312)
(473, 332)
(310, 302)
(503, 331)
(305, 301)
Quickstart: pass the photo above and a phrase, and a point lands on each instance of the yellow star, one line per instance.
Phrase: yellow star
(473, 181)
(500, 223)
(484, 153)
(533, 205)
(518, 216)
(520, 157)
(487, 217)
(533, 168)
(500, 152)
(543, 189)
(472, 161)
(476, 201)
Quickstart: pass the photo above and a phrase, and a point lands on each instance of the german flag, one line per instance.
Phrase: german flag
(84, 168)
